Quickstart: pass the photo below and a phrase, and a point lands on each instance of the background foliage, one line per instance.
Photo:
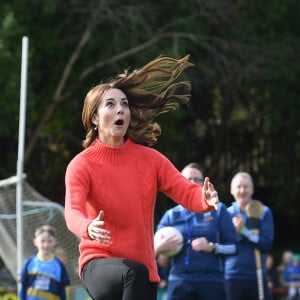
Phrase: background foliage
(244, 111)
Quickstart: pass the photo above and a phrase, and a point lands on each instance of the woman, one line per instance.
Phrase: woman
(111, 186)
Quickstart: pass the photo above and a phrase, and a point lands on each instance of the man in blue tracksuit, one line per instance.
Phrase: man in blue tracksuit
(196, 272)
(241, 269)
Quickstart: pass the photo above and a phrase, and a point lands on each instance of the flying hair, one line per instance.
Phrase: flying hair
(151, 90)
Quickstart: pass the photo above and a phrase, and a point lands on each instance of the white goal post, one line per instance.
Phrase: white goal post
(37, 210)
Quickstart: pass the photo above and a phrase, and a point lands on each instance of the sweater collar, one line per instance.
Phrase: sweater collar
(111, 154)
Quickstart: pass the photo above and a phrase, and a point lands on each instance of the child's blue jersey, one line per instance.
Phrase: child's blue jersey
(216, 227)
(43, 280)
(292, 273)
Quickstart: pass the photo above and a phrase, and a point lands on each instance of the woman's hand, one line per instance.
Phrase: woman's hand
(210, 194)
(96, 232)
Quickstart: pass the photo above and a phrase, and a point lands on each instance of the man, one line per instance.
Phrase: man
(196, 272)
(255, 241)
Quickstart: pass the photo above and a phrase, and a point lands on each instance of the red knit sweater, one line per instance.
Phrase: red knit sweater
(123, 182)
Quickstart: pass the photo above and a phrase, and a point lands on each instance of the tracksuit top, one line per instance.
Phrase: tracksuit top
(217, 227)
(123, 182)
(43, 279)
(242, 266)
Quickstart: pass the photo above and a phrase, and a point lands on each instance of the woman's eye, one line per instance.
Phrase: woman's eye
(110, 103)
(125, 103)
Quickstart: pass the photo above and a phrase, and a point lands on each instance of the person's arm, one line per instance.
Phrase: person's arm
(227, 243)
(163, 261)
(243, 231)
(286, 274)
(65, 283)
(23, 282)
(190, 195)
(165, 243)
(77, 183)
(227, 237)
(266, 232)
(263, 240)
(22, 293)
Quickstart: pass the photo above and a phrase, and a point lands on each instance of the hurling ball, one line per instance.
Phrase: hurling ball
(166, 232)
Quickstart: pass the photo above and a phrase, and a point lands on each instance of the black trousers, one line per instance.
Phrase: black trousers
(246, 290)
(118, 279)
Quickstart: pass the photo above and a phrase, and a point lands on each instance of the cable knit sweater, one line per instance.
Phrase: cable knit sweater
(123, 182)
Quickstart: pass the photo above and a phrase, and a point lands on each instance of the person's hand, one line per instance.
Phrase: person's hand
(96, 232)
(238, 223)
(162, 284)
(162, 261)
(166, 243)
(210, 194)
(201, 244)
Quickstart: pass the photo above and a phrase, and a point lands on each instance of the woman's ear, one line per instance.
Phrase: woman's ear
(95, 120)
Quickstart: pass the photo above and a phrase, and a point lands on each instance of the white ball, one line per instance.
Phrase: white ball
(166, 232)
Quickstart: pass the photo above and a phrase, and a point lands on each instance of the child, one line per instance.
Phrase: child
(292, 276)
(44, 276)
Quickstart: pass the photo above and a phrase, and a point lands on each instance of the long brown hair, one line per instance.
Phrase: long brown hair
(151, 90)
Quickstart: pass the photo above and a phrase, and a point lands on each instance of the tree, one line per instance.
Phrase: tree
(244, 108)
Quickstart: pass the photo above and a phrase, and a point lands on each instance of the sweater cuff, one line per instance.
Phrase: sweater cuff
(225, 249)
(251, 236)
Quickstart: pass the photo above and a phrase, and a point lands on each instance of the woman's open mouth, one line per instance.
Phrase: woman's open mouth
(119, 122)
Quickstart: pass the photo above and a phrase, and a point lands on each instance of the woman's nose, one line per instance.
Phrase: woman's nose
(120, 110)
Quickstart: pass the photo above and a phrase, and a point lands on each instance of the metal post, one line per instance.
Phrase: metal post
(20, 162)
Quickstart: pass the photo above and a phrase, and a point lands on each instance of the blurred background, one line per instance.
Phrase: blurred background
(244, 113)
